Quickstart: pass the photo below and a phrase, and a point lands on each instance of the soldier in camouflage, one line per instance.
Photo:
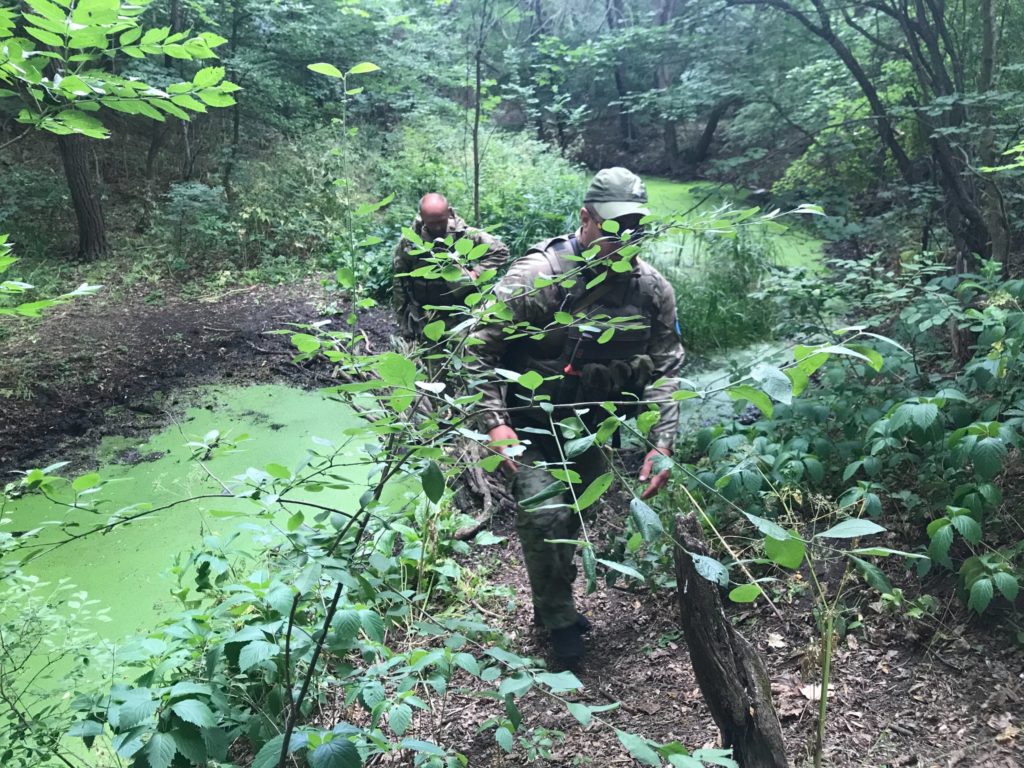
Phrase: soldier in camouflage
(640, 360)
(438, 224)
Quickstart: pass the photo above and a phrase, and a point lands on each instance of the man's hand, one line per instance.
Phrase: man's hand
(504, 433)
(659, 480)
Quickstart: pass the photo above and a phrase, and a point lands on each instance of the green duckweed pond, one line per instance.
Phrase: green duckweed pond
(129, 569)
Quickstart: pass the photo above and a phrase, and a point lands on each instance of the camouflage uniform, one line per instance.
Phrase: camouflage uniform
(638, 355)
(412, 294)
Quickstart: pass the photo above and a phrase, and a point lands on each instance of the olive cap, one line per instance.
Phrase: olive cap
(616, 192)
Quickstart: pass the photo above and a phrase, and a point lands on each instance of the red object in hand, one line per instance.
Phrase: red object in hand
(504, 432)
(657, 481)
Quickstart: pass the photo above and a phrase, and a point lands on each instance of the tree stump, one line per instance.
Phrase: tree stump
(731, 674)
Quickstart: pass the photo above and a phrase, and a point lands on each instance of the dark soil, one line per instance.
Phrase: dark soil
(62, 377)
(942, 692)
(931, 693)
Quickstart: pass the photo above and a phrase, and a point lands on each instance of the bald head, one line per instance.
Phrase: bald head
(434, 213)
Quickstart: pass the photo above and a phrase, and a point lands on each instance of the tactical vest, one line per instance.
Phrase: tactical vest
(591, 370)
(437, 291)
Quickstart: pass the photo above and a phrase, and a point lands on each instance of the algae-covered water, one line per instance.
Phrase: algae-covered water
(792, 248)
(129, 569)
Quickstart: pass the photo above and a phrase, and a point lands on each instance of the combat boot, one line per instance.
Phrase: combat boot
(582, 622)
(567, 644)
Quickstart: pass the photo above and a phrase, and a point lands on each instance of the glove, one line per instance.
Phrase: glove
(504, 433)
(657, 481)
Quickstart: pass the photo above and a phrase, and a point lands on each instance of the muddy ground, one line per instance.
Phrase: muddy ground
(945, 692)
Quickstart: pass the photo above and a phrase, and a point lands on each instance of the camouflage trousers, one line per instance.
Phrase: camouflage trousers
(551, 567)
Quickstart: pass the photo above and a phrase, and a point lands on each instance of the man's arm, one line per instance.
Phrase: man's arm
(526, 304)
(401, 262)
(666, 351)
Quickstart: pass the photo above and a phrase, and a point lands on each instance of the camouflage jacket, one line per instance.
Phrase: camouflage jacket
(411, 294)
(643, 294)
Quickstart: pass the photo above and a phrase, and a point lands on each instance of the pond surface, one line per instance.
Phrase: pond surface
(794, 247)
(128, 569)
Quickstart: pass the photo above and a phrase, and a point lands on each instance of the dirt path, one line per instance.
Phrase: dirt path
(905, 693)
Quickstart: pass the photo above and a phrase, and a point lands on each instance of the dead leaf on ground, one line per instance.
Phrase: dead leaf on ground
(812, 692)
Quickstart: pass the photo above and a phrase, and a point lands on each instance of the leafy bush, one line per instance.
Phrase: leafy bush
(527, 191)
(713, 281)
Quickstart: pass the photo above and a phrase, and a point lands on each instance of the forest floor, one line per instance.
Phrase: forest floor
(941, 693)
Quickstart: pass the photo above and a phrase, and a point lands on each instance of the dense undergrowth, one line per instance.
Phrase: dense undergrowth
(868, 431)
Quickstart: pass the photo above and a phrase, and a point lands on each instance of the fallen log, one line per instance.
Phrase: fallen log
(731, 675)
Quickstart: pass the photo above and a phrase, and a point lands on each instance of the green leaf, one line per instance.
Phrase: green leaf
(938, 547)
(580, 445)
(874, 357)
(747, 593)
(85, 482)
(396, 370)
(547, 492)
(530, 380)
(851, 529)
(559, 682)
(85, 729)
(270, 753)
(48, 10)
(684, 394)
(400, 718)
(160, 750)
(195, 712)
(872, 575)
(788, 553)
(710, 569)
(47, 38)
(1007, 584)
(981, 595)
(346, 625)
(373, 624)
(638, 747)
(433, 481)
(774, 382)
(208, 76)
(581, 712)
(305, 343)
(504, 738)
(278, 471)
(756, 397)
(325, 69)
(468, 662)
(885, 552)
(594, 491)
(255, 652)
(968, 528)
(589, 568)
(767, 527)
(623, 569)
(987, 456)
(426, 747)
(646, 519)
(362, 68)
(434, 330)
(188, 102)
(339, 752)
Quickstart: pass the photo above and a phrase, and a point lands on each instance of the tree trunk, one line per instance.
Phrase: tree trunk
(883, 121)
(662, 82)
(615, 17)
(698, 153)
(731, 674)
(92, 232)
(992, 199)
(476, 135)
